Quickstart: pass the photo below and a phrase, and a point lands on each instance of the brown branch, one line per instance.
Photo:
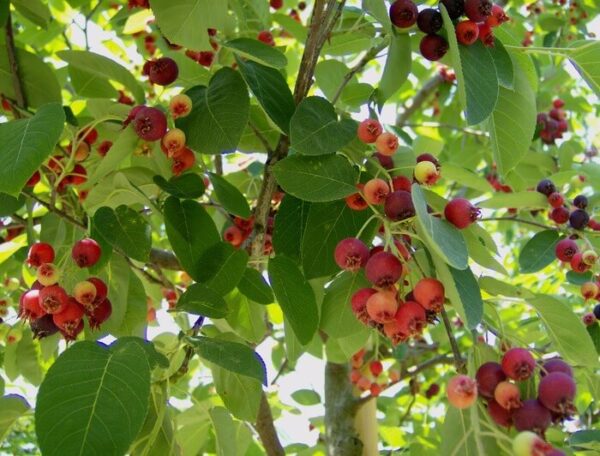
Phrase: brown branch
(266, 430)
(421, 97)
(218, 164)
(459, 362)
(13, 64)
(261, 138)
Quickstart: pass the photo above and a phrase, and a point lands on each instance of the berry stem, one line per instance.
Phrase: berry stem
(518, 220)
(459, 363)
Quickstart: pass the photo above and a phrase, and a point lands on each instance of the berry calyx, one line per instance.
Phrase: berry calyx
(48, 274)
(69, 319)
(358, 302)
(508, 395)
(375, 191)
(150, 124)
(426, 173)
(532, 416)
(498, 16)
(182, 161)
(180, 106)
(488, 376)
(351, 254)
(486, 34)
(386, 144)
(429, 293)
(518, 364)
(369, 130)
(84, 293)
(411, 318)
(433, 47)
(86, 252)
(403, 13)
(430, 20)
(589, 257)
(461, 391)
(478, 10)
(40, 253)
(461, 213)
(172, 142)
(467, 32)
(589, 319)
(383, 269)
(382, 306)
(53, 299)
(578, 265)
(556, 392)
(566, 249)
(399, 206)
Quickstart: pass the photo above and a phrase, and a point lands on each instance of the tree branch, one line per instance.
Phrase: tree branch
(421, 96)
(459, 362)
(13, 64)
(266, 430)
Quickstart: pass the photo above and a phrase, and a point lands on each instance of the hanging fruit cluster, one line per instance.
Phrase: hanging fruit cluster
(553, 124)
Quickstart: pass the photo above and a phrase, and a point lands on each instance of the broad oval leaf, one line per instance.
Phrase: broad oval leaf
(240, 394)
(517, 200)
(198, 299)
(315, 129)
(99, 403)
(295, 296)
(232, 356)
(503, 63)
(306, 397)
(188, 185)
(121, 149)
(469, 294)
(585, 56)
(230, 197)
(222, 267)
(254, 286)
(126, 230)
(34, 10)
(26, 143)
(289, 226)
(12, 407)
(257, 51)
(318, 179)
(397, 67)
(538, 252)
(219, 113)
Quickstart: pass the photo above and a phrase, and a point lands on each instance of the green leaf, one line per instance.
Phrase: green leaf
(190, 231)
(240, 394)
(327, 224)
(126, 230)
(104, 68)
(38, 79)
(512, 123)
(594, 332)
(34, 10)
(379, 10)
(538, 252)
(295, 296)
(588, 439)
(289, 226)
(231, 438)
(318, 179)
(397, 67)
(470, 295)
(271, 90)
(9, 204)
(306, 397)
(337, 318)
(503, 63)
(585, 58)
(234, 357)
(497, 287)
(185, 22)
(257, 51)
(198, 299)
(247, 318)
(222, 267)
(315, 129)
(100, 402)
(219, 113)
(454, 56)
(188, 185)
(254, 286)
(459, 438)
(466, 177)
(26, 144)
(566, 331)
(439, 235)
(517, 200)
(230, 197)
(577, 278)
(480, 253)
(121, 149)
(12, 407)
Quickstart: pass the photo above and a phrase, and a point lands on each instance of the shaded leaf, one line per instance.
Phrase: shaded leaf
(199, 299)
(229, 196)
(538, 252)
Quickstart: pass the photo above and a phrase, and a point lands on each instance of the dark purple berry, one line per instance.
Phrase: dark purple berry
(403, 13)
(597, 311)
(399, 206)
(430, 20)
(546, 187)
(433, 47)
(579, 219)
(532, 416)
(455, 8)
(580, 201)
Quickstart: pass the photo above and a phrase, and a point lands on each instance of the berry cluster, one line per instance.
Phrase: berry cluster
(49, 308)
(553, 124)
(498, 385)
(577, 216)
(369, 376)
(482, 16)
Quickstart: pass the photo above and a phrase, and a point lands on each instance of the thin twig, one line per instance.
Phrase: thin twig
(421, 96)
(283, 366)
(14, 66)
(459, 362)
(518, 220)
(261, 137)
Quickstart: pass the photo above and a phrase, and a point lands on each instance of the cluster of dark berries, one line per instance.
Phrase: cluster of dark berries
(49, 308)
(482, 16)
(577, 216)
(370, 376)
(591, 290)
(553, 124)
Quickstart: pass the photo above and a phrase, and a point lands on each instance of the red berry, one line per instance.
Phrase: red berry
(429, 293)
(385, 161)
(358, 303)
(104, 147)
(497, 17)
(467, 32)
(276, 4)
(351, 254)
(84, 293)
(426, 172)
(386, 144)
(375, 191)
(556, 199)
(163, 71)
(69, 318)
(33, 180)
(478, 10)
(234, 236)
(399, 206)
(29, 305)
(383, 269)
(518, 364)
(486, 34)
(53, 299)
(589, 319)
(43, 327)
(556, 365)
(266, 37)
(150, 124)
(556, 392)
(100, 314)
(558, 103)
(461, 213)
(180, 106)
(508, 395)
(488, 376)
(101, 288)
(182, 161)
(532, 416)
(401, 183)
(461, 391)
(369, 130)
(403, 13)
(433, 47)
(560, 215)
(78, 176)
(376, 368)
(430, 20)
(500, 416)
(173, 142)
(355, 201)
(375, 389)
(432, 391)
(529, 444)
(86, 253)
(89, 135)
(382, 306)
(39, 253)
(411, 318)
(578, 265)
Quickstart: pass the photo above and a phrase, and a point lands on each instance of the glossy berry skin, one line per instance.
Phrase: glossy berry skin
(530, 444)
(498, 16)
(426, 172)
(430, 20)
(580, 201)
(369, 130)
(101, 288)
(150, 124)
(29, 305)
(382, 306)
(429, 293)
(507, 395)
(478, 10)
(100, 314)
(180, 106)
(47, 274)
(276, 4)
(40, 253)
(556, 199)
(518, 364)
(69, 318)
(461, 213)
(163, 71)
(399, 206)
(532, 416)
(376, 368)
(597, 311)
(556, 392)
(234, 236)
(172, 142)
(411, 318)
(386, 144)
(566, 249)
(546, 187)
(500, 415)
(461, 391)
(355, 201)
(579, 219)
(383, 269)
(403, 13)
(84, 293)
(358, 302)
(351, 254)
(467, 32)
(486, 34)
(488, 376)
(560, 215)
(375, 191)
(578, 265)
(86, 252)
(556, 365)
(182, 161)
(401, 183)
(455, 8)
(433, 47)
(53, 299)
